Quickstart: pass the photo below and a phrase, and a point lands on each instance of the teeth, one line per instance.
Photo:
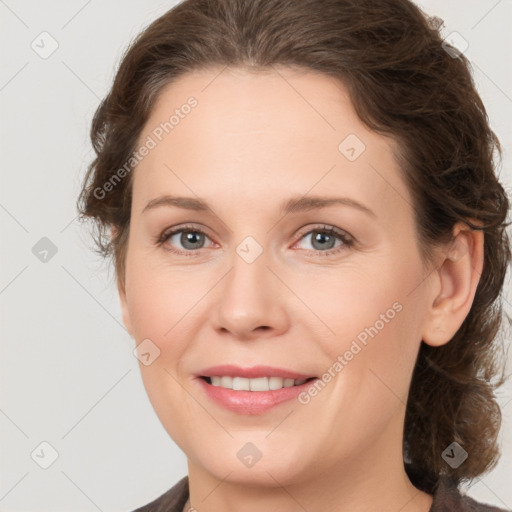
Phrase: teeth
(258, 384)
(275, 383)
(240, 384)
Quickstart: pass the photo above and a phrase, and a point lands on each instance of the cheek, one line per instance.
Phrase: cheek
(159, 298)
(160, 308)
(374, 322)
(351, 303)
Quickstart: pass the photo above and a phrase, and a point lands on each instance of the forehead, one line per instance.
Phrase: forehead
(281, 129)
(286, 102)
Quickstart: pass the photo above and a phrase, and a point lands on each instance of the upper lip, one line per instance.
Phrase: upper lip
(251, 373)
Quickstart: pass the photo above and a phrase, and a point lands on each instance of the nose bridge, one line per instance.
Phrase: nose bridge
(250, 298)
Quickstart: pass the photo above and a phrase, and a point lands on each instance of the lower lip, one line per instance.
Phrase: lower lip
(251, 402)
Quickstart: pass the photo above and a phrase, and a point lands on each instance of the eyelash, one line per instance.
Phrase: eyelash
(347, 240)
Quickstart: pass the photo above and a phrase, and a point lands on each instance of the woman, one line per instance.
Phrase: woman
(309, 244)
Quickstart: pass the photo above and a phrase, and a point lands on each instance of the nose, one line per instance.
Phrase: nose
(251, 301)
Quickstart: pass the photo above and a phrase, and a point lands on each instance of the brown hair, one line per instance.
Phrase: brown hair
(404, 82)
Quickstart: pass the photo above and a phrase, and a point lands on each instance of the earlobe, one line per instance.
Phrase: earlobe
(457, 277)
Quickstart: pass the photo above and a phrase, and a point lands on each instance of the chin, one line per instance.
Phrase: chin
(233, 458)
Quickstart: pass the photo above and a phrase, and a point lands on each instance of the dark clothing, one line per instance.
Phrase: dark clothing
(447, 498)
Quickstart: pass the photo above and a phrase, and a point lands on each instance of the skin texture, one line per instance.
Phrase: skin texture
(253, 141)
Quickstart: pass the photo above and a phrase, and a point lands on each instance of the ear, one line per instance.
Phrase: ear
(122, 292)
(456, 279)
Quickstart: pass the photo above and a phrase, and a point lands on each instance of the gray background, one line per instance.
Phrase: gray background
(68, 374)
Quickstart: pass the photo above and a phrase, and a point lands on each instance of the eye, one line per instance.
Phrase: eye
(327, 240)
(190, 238)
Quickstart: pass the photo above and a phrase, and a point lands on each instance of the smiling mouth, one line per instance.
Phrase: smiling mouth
(254, 384)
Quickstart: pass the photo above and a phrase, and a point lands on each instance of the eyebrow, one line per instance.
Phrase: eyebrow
(292, 205)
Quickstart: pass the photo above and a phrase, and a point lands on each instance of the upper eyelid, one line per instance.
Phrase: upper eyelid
(326, 227)
(174, 230)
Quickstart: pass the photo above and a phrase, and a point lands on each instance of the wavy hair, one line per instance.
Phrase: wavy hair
(405, 82)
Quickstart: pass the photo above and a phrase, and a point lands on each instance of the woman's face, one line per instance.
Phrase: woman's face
(295, 250)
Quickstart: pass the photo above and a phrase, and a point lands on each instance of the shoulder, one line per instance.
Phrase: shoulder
(171, 501)
(447, 498)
